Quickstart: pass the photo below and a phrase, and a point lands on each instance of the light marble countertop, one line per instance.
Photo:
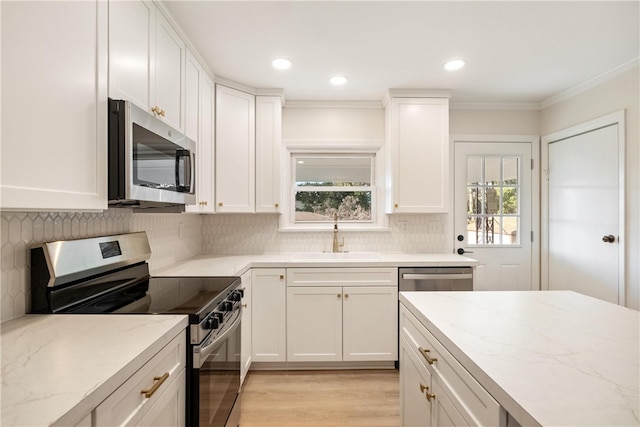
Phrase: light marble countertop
(235, 265)
(57, 368)
(554, 358)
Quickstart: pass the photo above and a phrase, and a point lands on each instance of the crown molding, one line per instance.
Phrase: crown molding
(591, 83)
(335, 104)
(521, 106)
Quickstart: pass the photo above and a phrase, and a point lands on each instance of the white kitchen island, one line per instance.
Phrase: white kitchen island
(554, 358)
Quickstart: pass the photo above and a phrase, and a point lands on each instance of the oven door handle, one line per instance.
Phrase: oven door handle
(201, 353)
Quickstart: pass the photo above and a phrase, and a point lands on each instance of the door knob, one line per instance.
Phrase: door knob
(460, 237)
(461, 251)
(609, 238)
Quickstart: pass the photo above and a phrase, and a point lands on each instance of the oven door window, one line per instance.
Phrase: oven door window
(219, 378)
(159, 163)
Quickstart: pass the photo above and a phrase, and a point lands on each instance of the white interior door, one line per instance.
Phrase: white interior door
(584, 211)
(493, 212)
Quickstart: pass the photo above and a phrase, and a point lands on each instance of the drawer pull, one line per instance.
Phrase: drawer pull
(158, 382)
(425, 354)
(423, 388)
(430, 396)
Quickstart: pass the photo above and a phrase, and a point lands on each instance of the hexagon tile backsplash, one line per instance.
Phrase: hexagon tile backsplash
(172, 237)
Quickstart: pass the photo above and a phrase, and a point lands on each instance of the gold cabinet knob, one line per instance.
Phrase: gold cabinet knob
(219, 203)
(282, 277)
(245, 305)
(276, 205)
(162, 113)
(395, 205)
(155, 109)
(430, 396)
(339, 295)
(346, 295)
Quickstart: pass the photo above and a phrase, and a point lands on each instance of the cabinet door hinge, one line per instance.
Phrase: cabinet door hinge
(532, 235)
(531, 164)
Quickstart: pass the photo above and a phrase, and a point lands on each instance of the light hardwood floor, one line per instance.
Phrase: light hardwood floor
(321, 398)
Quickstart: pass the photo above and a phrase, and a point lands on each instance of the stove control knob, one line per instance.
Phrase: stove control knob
(235, 296)
(211, 323)
(226, 306)
(218, 316)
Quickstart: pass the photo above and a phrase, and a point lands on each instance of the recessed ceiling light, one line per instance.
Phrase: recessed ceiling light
(281, 63)
(454, 64)
(338, 80)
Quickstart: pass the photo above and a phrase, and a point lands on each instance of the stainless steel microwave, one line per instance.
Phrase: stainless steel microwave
(151, 166)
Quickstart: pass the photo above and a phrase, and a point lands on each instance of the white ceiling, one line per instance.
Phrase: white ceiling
(516, 51)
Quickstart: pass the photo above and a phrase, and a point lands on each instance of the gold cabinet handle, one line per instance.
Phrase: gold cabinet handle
(220, 204)
(425, 354)
(155, 109)
(430, 396)
(282, 277)
(162, 113)
(158, 382)
(346, 295)
(277, 205)
(395, 205)
(339, 295)
(245, 305)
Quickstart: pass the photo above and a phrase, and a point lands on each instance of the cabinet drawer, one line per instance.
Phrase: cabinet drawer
(128, 404)
(356, 276)
(475, 404)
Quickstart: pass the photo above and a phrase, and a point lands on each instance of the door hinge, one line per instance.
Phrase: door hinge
(531, 164)
(532, 235)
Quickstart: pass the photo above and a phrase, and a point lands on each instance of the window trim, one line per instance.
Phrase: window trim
(374, 148)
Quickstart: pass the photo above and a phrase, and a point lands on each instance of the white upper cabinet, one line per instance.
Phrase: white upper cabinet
(146, 60)
(235, 151)
(418, 155)
(268, 153)
(54, 105)
(168, 72)
(199, 126)
(131, 24)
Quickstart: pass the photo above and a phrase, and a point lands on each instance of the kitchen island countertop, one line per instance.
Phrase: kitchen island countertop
(551, 358)
(57, 368)
(235, 265)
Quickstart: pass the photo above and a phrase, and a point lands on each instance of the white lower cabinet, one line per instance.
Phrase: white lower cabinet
(342, 314)
(246, 335)
(269, 321)
(435, 389)
(153, 396)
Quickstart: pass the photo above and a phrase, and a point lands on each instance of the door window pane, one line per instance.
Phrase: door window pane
(493, 200)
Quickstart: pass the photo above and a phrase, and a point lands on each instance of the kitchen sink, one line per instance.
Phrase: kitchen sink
(336, 256)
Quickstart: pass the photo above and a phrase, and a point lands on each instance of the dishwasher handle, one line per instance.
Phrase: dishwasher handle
(413, 276)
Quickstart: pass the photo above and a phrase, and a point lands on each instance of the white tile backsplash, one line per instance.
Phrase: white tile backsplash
(233, 234)
(172, 237)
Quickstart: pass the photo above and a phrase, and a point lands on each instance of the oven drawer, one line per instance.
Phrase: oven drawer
(137, 396)
(474, 403)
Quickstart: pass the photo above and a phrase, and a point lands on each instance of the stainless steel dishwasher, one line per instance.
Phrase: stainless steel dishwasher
(427, 279)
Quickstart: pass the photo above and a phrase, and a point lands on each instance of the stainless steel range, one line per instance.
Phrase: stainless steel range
(111, 275)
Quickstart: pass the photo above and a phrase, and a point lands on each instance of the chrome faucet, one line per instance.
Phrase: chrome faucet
(336, 245)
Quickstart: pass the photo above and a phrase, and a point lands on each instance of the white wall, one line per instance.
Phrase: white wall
(494, 122)
(616, 94)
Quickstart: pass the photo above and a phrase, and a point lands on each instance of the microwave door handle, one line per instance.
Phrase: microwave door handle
(191, 171)
(186, 155)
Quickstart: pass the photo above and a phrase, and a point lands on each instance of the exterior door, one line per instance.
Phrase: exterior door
(586, 212)
(493, 212)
